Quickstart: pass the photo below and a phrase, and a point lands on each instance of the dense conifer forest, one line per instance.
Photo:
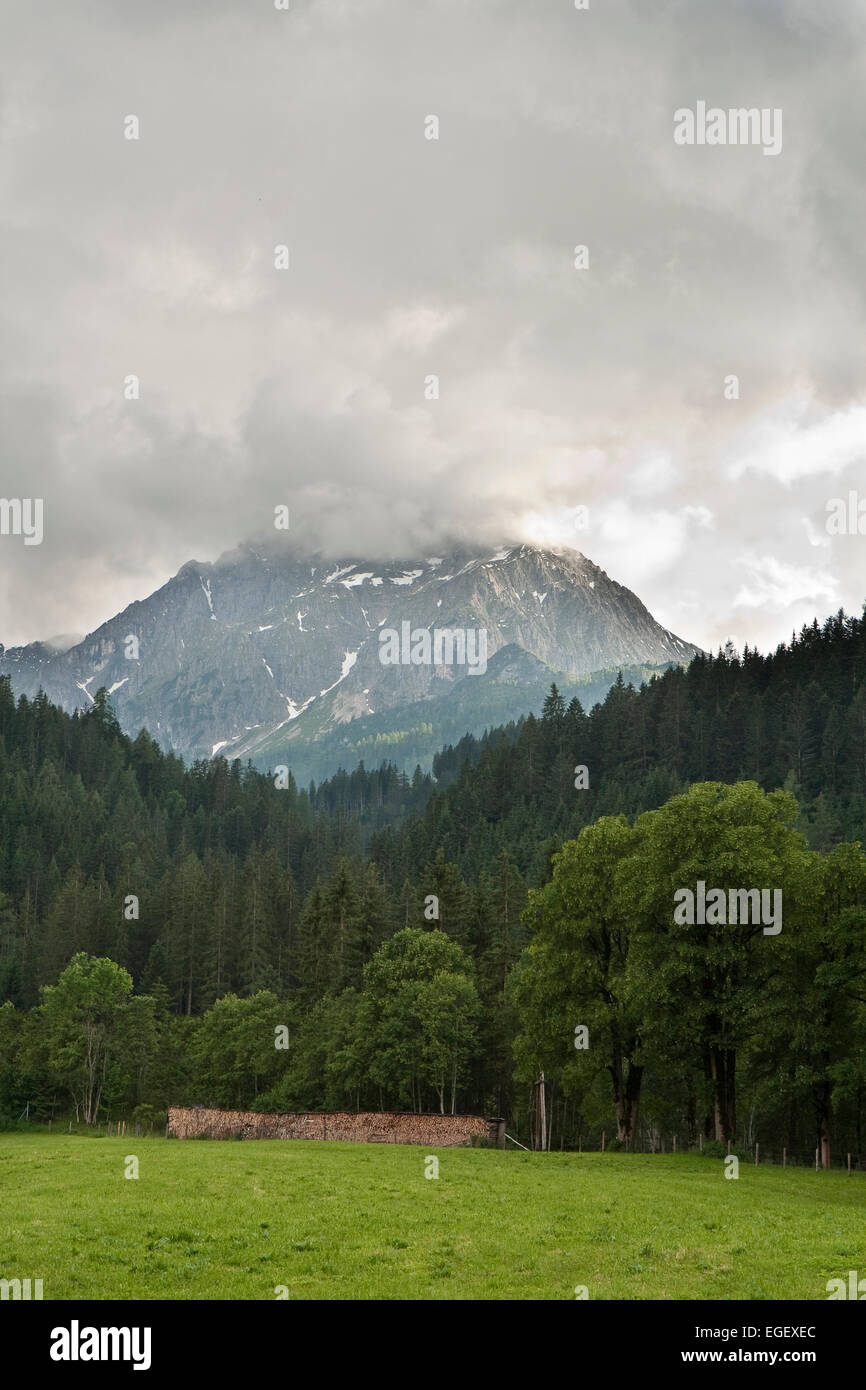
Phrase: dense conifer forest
(174, 934)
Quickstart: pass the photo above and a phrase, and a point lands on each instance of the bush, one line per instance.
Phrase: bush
(714, 1148)
(147, 1116)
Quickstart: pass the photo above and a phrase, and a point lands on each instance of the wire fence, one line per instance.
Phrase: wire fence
(526, 1137)
(799, 1155)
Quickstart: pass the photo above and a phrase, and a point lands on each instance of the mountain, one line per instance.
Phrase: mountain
(515, 684)
(270, 654)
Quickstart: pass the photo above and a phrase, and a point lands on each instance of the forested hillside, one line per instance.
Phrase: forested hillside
(383, 923)
(795, 719)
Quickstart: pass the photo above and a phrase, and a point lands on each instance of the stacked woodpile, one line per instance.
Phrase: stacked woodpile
(439, 1131)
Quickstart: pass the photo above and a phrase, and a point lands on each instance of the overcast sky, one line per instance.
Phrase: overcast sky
(601, 387)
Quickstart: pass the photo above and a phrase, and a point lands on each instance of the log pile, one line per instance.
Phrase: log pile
(440, 1131)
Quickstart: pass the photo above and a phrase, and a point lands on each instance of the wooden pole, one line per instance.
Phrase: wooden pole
(784, 1158)
(552, 1118)
(580, 1143)
(602, 1140)
(849, 1165)
(756, 1155)
(701, 1142)
(816, 1160)
(675, 1143)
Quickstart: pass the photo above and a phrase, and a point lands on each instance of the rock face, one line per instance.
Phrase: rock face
(269, 649)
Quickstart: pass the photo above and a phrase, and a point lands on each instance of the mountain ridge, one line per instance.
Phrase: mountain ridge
(267, 638)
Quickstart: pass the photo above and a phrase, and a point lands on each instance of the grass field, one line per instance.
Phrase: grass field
(229, 1220)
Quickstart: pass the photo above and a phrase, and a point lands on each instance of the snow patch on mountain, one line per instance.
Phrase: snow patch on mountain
(348, 662)
(207, 593)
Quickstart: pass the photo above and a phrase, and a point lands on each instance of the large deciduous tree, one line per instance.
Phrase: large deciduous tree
(707, 982)
(574, 972)
(418, 1016)
(83, 1016)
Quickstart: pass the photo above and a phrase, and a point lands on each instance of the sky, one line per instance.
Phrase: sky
(604, 386)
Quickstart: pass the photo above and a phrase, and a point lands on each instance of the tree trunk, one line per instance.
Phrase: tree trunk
(626, 1092)
(823, 1119)
(722, 1079)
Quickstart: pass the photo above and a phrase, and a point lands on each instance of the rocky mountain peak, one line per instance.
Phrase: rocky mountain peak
(269, 645)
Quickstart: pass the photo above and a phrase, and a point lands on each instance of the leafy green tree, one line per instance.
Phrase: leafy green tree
(324, 1064)
(84, 1016)
(818, 1002)
(418, 1016)
(707, 981)
(12, 1024)
(575, 976)
(235, 1049)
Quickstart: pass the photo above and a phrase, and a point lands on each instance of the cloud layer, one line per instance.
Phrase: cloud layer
(409, 258)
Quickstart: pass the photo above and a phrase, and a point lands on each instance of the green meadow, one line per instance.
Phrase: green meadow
(238, 1220)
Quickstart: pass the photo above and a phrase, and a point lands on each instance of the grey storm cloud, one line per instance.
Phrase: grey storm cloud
(409, 258)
